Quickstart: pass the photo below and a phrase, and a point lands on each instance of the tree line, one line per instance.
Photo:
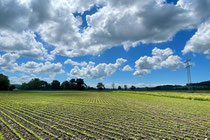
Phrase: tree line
(5, 83)
(37, 84)
(79, 84)
(73, 84)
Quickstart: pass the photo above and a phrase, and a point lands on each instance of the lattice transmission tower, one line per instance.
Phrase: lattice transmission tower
(188, 65)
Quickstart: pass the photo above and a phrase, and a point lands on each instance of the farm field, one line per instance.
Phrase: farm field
(104, 115)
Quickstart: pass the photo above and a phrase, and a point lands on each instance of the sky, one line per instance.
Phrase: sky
(133, 42)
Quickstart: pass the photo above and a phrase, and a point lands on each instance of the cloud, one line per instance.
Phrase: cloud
(116, 23)
(80, 6)
(26, 78)
(13, 15)
(200, 42)
(99, 71)
(16, 34)
(112, 26)
(23, 44)
(127, 68)
(196, 8)
(8, 61)
(9, 64)
(46, 68)
(20, 80)
(74, 63)
(160, 58)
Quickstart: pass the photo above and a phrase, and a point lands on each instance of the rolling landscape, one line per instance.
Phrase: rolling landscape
(104, 69)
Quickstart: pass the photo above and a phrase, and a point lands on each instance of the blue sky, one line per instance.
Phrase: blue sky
(106, 37)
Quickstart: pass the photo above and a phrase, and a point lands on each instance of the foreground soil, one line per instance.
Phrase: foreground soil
(103, 115)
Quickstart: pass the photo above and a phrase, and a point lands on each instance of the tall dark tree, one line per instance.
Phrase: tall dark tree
(73, 84)
(55, 85)
(132, 87)
(119, 88)
(80, 84)
(100, 86)
(65, 85)
(125, 87)
(11, 87)
(4, 82)
(44, 85)
(34, 84)
(24, 86)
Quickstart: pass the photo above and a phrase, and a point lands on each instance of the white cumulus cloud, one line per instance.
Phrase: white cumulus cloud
(24, 44)
(46, 68)
(160, 58)
(200, 42)
(99, 71)
(74, 63)
(26, 78)
(116, 23)
(8, 62)
(127, 68)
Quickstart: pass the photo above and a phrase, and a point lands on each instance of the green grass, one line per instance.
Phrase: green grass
(117, 114)
(181, 95)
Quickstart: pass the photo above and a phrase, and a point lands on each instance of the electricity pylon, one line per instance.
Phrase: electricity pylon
(188, 65)
(189, 84)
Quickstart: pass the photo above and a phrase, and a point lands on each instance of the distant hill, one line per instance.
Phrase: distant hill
(194, 86)
(205, 83)
(16, 85)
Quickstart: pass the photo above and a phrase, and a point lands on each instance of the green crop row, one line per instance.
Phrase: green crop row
(148, 130)
(53, 118)
(143, 126)
(65, 117)
(1, 137)
(30, 131)
(135, 115)
(41, 122)
(13, 130)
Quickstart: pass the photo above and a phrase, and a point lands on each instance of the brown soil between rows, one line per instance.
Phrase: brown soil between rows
(87, 129)
(41, 132)
(109, 133)
(63, 135)
(7, 133)
(131, 126)
(24, 133)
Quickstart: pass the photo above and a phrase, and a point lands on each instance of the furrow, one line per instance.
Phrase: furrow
(21, 131)
(71, 123)
(8, 131)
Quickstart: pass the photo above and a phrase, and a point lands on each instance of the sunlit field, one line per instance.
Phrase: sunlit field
(104, 115)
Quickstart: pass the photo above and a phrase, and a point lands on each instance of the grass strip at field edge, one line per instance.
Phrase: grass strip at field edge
(172, 96)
